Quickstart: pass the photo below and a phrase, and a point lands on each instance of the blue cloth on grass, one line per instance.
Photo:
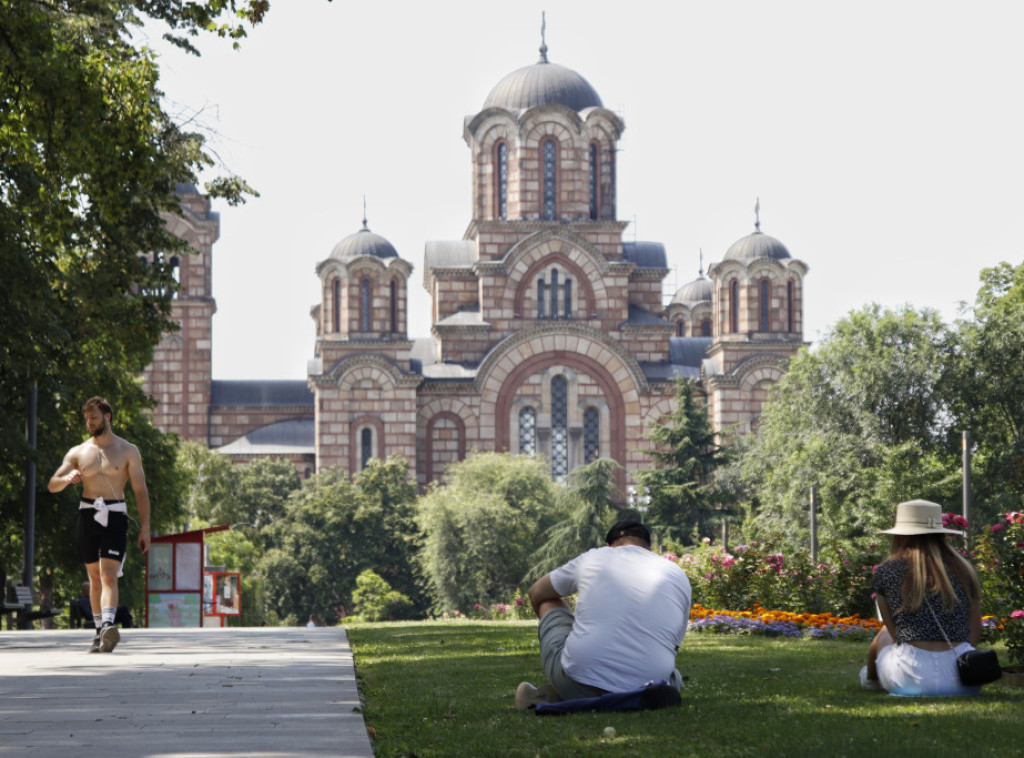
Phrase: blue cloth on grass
(651, 696)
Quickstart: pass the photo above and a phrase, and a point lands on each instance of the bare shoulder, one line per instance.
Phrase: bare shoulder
(127, 449)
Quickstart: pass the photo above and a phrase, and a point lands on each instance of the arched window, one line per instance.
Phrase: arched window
(681, 328)
(595, 182)
(364, 305)
(705, 328)
(789, 306)
(591, 435)
(175, 265)
(394, 306)
(527, 431)
(549, 174)
(734, 306)
(559, 428)
(548, 293)
(336, 302)
(365, 447)
(764, 323)
(501, 180)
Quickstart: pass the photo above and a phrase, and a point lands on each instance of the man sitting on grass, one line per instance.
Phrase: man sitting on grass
(631, 615)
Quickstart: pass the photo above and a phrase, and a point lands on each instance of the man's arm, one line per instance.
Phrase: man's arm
(137, 477)
(544, 598)
(68, 472)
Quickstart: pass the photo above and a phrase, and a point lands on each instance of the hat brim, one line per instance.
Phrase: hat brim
(907, 531)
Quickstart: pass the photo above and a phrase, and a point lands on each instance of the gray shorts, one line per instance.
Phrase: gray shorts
(552, 632)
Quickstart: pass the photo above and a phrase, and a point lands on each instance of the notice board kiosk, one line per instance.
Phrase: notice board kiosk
(175, 581)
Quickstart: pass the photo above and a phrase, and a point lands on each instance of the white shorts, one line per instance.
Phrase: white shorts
(908, 671)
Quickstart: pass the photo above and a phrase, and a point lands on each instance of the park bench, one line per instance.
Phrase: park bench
(18, 600)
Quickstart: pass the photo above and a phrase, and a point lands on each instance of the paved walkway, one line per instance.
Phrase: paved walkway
(182, 693)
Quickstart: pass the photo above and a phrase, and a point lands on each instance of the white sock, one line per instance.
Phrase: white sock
(108, 614)
(97, 620)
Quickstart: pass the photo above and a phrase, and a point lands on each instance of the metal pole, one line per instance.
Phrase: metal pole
(30, 496)
(725, 535)
(966, 444)
(814, 526)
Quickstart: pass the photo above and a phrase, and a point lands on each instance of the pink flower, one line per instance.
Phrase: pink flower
(1017, 615)
(727, 561)
(519, 601)
(477, 607)
(996, 528)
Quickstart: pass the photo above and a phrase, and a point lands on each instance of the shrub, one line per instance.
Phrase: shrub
(999, 557)
(376, 601)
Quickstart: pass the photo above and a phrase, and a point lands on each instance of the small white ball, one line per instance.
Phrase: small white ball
(609, 732)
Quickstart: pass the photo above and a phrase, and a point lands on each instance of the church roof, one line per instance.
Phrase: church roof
(543, 82)
(260, 392)
(363, 242)
(645, 254)
(756, 245)
(640, 317)
(295, 436)
(698, 291)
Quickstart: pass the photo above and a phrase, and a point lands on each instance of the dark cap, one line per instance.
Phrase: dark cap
(628, 528)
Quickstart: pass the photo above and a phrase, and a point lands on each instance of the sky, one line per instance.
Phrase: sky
(883, 139)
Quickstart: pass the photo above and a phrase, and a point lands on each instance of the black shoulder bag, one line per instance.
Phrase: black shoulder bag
(975, 667)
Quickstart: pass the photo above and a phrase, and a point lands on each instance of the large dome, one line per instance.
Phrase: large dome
(363, 242)
(756, 245)
(543, 82)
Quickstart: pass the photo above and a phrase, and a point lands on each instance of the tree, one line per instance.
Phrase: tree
(861, 418)
(685, 455)
(331, 531)
(587, 502)
(88, 166)
(987, 383)
(482, 527)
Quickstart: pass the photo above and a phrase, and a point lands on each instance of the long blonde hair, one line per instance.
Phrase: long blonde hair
(930, 559)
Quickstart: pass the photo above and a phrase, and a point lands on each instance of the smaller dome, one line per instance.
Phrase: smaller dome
(363, 242)
(698, 291)
(756, 245)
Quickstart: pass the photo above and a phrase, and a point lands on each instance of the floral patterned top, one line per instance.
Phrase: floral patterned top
(920, 625)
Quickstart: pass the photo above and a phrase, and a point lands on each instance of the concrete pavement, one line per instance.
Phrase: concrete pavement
(181, 693)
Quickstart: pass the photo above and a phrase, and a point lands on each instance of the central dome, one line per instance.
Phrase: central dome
(756, 245)
(541, 83)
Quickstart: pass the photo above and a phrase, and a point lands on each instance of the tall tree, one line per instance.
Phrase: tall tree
(685, 456)
(88, 166)
(861, 418)
(988, 384)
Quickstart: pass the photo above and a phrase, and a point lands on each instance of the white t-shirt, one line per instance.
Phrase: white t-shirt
(631, 614)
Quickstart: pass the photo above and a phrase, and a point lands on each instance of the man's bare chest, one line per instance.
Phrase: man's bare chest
(95, 461)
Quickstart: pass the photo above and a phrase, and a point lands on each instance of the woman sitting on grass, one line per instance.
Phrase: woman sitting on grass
(925, 589)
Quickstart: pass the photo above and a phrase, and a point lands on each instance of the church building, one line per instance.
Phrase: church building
(549, 331)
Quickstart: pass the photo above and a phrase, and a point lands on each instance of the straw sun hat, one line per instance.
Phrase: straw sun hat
(919, 517)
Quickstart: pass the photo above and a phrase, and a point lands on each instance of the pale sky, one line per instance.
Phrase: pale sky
(885, 141)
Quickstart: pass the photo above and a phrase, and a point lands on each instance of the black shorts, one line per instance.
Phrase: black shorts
(96, 541)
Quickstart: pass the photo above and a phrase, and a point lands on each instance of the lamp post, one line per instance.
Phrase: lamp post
(639, 502)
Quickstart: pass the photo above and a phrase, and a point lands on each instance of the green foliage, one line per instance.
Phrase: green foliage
(861, 418)
(587, 501)
(331, 531)
(482, 527)
(685, 457)
(89, 162)
(376, 601)
(988, 385)
(999, 556)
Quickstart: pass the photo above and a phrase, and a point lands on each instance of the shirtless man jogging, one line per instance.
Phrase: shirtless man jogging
(104, 464)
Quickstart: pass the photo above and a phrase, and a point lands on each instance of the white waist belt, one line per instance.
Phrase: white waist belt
(103, 509)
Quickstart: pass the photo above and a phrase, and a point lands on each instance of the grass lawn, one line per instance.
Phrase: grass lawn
(446, 689)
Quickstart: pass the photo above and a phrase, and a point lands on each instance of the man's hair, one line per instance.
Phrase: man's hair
(99, 402)
(629, 528)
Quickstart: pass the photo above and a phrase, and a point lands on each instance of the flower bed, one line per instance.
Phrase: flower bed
(761, 621)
